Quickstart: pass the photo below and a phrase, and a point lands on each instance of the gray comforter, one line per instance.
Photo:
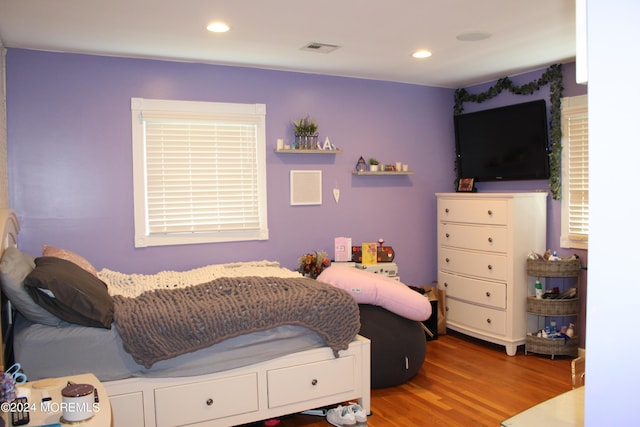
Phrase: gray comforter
(164, 323)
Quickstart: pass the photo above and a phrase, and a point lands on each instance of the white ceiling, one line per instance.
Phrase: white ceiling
(376, 37)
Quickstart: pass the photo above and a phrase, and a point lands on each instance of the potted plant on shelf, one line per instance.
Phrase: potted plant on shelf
(306, 133)
(373, 164)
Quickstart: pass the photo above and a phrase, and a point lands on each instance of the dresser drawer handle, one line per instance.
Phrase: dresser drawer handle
(446, 210)
(446, 260)
(488, 294)
(446, 235)
(490, 267)
(209, 402)
(490, 212)
(446, 285)
(314, 381)
(489, 321)
(490, 239)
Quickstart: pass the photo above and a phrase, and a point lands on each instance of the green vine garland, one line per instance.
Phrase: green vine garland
(553, 77)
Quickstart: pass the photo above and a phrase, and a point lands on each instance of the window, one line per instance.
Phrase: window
(199, 172)
(575, 173)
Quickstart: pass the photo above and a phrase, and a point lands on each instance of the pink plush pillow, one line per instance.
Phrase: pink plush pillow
(371, 288)
(69, 256)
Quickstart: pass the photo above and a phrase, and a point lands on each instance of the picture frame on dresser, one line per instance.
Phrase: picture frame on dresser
(466, 185)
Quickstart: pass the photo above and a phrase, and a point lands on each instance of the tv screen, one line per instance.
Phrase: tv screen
(506, 143)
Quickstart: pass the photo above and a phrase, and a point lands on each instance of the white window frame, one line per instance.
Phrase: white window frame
(575, 179)
(145, 111)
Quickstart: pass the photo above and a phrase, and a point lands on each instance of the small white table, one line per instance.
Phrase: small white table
(52, 387)
(565, 410)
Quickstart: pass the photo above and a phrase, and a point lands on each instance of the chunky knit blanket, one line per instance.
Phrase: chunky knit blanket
(132, 285)
(163, 323)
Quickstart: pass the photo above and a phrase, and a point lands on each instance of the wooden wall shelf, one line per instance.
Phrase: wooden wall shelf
(381, 173)
(290, 151)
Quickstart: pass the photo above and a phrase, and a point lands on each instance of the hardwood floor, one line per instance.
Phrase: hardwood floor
(463, 382)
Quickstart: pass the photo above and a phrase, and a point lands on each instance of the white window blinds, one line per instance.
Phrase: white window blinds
(201, 174)
(575, 173)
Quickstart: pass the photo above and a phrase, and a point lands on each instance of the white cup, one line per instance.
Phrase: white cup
(405, 168)
(398, 166)
(280, 143)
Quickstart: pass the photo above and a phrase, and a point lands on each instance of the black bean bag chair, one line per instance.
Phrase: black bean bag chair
(398, 345)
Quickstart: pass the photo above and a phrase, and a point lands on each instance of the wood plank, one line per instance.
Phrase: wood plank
(463, 382)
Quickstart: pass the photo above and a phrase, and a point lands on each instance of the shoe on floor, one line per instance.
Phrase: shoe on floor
(341, 416)
(358, 412)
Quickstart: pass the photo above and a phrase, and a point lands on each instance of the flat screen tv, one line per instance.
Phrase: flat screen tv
(503, 144)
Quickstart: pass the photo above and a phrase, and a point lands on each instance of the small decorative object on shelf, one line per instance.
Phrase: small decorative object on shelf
(306, 134)
(361, 166)
(312, 263)
(327, 145)
(570, 331)
(373, 164)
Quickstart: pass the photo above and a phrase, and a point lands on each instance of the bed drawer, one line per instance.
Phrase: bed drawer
(485, 265)
(480, 238)
(206, 400)
(479, 211)
(310, 381)
(490, 294)
(473, 316)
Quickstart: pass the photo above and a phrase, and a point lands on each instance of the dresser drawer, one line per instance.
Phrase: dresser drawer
(484, 211)
(482, 238)
(310, 381)
(474, 316)
(476, 291)
(206, 400)
(485, 265)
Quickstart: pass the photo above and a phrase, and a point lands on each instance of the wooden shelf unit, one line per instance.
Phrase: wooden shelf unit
(293, 151)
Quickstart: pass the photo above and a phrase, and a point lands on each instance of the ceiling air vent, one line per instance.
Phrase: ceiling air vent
(320, 47)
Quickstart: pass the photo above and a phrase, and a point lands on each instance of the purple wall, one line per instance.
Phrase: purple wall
(69, 149)
(69, 133)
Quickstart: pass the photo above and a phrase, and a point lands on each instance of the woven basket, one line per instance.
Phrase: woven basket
(553, 307)
(552, 346)
(562, 268)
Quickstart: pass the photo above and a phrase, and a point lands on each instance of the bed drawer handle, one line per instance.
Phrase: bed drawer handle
(209, 402)
(314, 381)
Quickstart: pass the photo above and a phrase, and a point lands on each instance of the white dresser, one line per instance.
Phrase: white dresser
(483, 243)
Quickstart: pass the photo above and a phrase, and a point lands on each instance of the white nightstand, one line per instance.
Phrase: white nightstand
(52, 387)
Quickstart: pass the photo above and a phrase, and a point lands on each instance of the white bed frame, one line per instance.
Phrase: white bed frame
(285, 385)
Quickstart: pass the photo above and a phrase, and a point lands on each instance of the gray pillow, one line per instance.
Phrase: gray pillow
(14, 267)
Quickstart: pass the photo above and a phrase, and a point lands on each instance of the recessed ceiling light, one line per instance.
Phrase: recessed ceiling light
(218, 27)
(473, 36)
(420, 54)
